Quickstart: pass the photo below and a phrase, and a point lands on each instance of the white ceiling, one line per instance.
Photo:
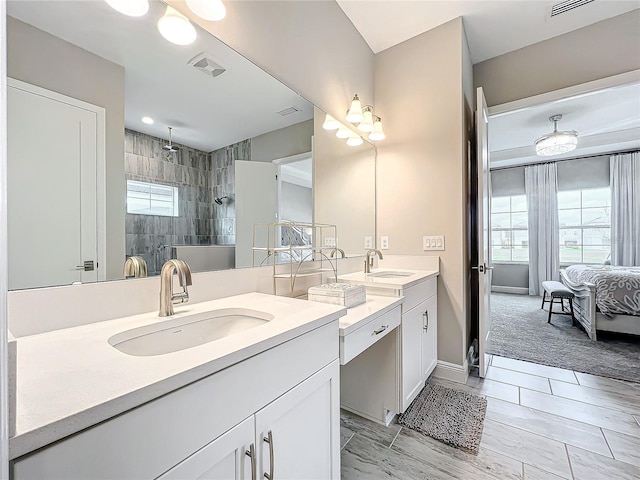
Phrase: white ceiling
(206, 113)
(492, 27)
(606, 121)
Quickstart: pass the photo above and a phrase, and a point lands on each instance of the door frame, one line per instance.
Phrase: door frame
(101, 190)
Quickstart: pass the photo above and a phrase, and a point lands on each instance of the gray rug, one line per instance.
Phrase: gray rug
(451, 416)
(520, 330)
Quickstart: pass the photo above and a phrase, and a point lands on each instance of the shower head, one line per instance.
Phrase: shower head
(170, 147)
(218, 200)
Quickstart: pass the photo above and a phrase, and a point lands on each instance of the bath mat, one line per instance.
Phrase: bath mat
(451, 416)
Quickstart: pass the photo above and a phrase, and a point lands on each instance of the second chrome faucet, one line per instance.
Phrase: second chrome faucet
(368, 263)
(167, 297)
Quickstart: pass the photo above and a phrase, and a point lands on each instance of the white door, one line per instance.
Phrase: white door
(256, 202)
(429, 337)
(231, 456)
(412, 344)
(299, 433)
(51, 190)
(483, 232)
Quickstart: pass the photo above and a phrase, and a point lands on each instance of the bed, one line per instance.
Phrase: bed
(607, 298)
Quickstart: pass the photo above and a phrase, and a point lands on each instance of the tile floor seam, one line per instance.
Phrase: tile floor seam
(537, 375)
(395, 438)
(576, 377)
(566, 450)
(345, 443)
(606, 440)
(536, 434)
(585, 403)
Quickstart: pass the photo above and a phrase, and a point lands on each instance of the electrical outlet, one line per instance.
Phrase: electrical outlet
(368, 242)
(384, 242)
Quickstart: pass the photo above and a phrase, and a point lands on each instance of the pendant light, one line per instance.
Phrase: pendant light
(330, 123)
(343, 132)
(213, 10)
(176, 28)
(366, 125)
(354, 115)
(354, 140)
(556, 142)
(131, 8)
(377, 134)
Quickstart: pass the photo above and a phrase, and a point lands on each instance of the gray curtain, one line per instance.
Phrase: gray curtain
(625, 209)
(541, 188)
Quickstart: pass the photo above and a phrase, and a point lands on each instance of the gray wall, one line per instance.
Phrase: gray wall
(189, 170)
(36, 57)
(606, 48)
(297, 202)
(311, 46)
(283, 142)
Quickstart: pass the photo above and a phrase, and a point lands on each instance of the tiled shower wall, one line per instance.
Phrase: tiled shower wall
(223, 182)
(189, 170)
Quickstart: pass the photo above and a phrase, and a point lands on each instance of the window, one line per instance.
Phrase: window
(152, 199)
(585, 225)
(509, 229)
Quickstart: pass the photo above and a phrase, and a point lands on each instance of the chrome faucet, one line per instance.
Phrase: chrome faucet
(368, 263)
(335, 250)
(135, 266)
(167, 297)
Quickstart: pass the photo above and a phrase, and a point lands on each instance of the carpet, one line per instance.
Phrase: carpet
(451, 416)
(519, 330)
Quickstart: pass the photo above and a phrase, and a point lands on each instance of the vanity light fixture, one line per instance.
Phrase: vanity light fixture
(330, 123)
(354, 140)
(176, 28)
(377, 134)
(213, 10)
(147, 120)
(366, 125)
(131, 8)
(556, 142)
(343, 132)
(355, 115)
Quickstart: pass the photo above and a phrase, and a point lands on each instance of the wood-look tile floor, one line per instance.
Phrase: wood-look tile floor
(542, 423)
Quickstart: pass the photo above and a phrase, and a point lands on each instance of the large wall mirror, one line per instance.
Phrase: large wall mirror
(123, 144)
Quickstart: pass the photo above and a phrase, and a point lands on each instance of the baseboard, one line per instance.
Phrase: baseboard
(514, 290)
(452, 371)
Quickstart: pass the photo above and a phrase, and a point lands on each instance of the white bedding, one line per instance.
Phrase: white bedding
(617, 288)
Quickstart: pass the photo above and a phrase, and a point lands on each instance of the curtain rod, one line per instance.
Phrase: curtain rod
(565, 159)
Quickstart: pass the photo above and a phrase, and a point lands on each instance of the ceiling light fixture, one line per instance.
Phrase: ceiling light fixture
(131, 8)
(556, 142)
(213, 10)
(355, 115)
(330, 123)
(176, 28)
(377, 134)
(354, 140)
(147, 120)
(343, 132)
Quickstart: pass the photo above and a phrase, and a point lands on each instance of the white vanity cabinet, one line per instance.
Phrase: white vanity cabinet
(288, 394)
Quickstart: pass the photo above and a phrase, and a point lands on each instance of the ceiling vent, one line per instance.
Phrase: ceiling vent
(288, 111)
(566, 6)
(206, 65)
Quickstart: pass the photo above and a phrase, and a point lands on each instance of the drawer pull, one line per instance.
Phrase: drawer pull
(251, 453)
(381, 329)
(269, 440)
(426, 317)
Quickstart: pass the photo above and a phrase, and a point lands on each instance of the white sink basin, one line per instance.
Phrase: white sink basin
(185, 332)
(390, 274)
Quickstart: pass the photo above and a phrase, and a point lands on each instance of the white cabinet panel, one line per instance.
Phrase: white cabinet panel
(412, 345)
(430, 337)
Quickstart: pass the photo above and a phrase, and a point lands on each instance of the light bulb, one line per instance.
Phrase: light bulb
(147, 120)
(367, 123)
(131, 8)
(354, 140)
(212, 10)
(330, 123)
(354, 115)
(343, 132)
(377, 134)
(176, 28)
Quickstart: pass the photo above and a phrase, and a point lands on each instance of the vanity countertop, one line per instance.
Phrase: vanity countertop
(359, 315)
(71, 379)
(398, 283)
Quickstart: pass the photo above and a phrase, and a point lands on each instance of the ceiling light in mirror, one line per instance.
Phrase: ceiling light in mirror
(147, 120)
(330, 123)
(213, 10)
(131, 8)
(355, 140)
(354, 115)
(343, 132)
(377, 134)
(367, 123)
(176, 28)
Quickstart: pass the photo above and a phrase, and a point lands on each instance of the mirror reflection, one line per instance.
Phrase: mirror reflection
(122, 145)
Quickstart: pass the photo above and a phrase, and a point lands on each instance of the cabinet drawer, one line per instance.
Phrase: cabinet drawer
(356, 342)
(418, 293)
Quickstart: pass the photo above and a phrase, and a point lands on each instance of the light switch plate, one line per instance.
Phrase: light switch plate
(426, 243)
(330, 242)
(368, 242)
(433, 242)
(384, 242)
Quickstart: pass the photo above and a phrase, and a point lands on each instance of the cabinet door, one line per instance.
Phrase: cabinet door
(429, 337)
(412, 338)
(223, 459)
(299, 433)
